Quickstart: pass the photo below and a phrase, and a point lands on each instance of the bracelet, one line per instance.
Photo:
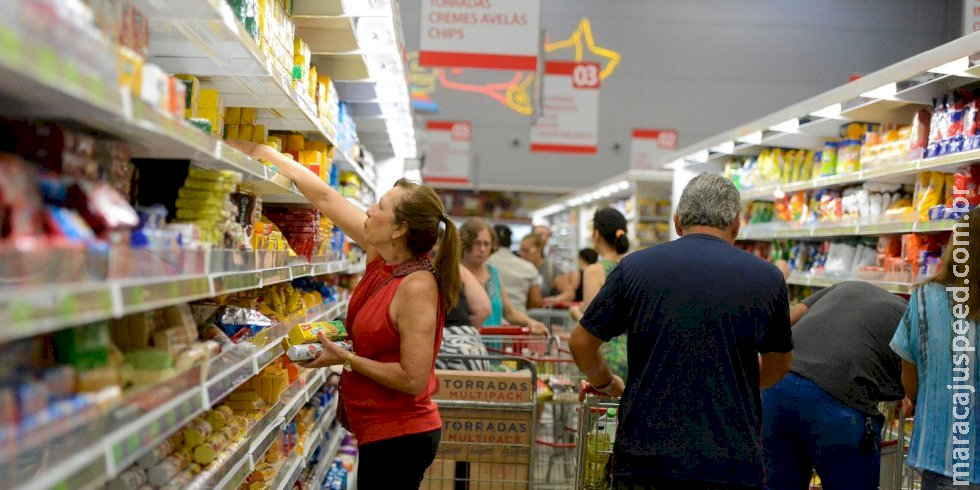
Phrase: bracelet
(349, 363)
(607, 385)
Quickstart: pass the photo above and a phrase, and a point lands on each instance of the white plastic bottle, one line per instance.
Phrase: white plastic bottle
(612, 423)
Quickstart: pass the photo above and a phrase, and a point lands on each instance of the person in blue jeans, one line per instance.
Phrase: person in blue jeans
(937, 340)
(824, 413)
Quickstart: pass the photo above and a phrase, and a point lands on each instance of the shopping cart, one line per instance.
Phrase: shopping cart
(488, 420)
(554, 317)
(555, 431)
(595, 443)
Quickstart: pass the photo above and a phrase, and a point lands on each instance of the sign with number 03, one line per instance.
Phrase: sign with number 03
(447, 152)
(569, 122)
(650, 145)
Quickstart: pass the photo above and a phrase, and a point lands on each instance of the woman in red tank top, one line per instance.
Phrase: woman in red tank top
(395, 320)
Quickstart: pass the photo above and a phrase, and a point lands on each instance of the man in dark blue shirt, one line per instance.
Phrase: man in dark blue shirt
(697, 312)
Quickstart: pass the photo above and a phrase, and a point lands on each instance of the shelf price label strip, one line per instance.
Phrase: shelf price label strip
(126, 445)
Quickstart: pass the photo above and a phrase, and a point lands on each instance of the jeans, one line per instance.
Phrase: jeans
(398, 463)
(935, 481)
(804, 427)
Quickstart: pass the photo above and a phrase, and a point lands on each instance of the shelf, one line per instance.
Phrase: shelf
(358, 204)
(36, 310)
(771, 231)
(800, 279)
(64, 89)
(327, 457)
(319, 429)
(655, 219)
(96, 448)
(899, 172)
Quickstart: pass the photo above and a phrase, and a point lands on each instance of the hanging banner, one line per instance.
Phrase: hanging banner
(491, 34)
(650, 145)
(447, 152)
(569, 121)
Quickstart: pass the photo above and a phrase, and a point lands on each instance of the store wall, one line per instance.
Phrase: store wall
(697, 66)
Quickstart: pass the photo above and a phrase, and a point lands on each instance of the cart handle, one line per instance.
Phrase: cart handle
(586, 388)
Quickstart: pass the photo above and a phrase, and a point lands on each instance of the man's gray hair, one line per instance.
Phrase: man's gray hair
(709, 200)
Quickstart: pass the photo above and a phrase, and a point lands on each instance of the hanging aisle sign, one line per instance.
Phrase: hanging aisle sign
(649, 145)
(491, 34)
(569, 122)
(447, 152)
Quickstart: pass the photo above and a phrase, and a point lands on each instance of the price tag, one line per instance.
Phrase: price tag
(136, 295)
(67, 307)
(171, 419)
(11, 47)
(133, 443)
(46, 63)
(21, 311)
(154, 430)
(69, 73)
(175, 289)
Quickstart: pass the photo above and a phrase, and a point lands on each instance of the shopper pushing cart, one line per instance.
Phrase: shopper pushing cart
(696, 312)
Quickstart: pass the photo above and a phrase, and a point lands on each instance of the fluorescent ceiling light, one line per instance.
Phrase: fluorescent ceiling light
(753, 138)
(727, 147)
(829, 112)
(623, 185)
(883, 92)
(955, 67)
(787, 126)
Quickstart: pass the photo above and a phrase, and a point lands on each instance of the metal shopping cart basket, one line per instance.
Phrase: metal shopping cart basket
(555, 318)
(488, 421)
(595, 444)
(556, 425)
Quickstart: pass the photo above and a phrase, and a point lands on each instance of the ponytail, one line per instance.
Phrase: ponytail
(622, 244)
(447, 266)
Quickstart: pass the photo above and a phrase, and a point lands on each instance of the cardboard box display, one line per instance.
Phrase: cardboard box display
(484, 386)
(498, 436)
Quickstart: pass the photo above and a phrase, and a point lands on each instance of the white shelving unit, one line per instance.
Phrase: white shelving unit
(203, 38)
(891, 95)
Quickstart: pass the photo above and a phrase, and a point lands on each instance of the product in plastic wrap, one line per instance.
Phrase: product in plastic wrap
(306, 333)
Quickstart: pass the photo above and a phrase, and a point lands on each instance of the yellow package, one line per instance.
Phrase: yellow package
(275, 142)
(245, 132)
(246, 405)
(305, 333)
(320, 146)
(259, 134)
(209, 99)
(930, 185)
(232, 131)
(294, 142)
(196, 432)
(130, 71)
(950, 185)
(233, 115)
(248, 115)
(219, 416)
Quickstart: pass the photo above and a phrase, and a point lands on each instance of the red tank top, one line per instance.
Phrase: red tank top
(375, 412)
